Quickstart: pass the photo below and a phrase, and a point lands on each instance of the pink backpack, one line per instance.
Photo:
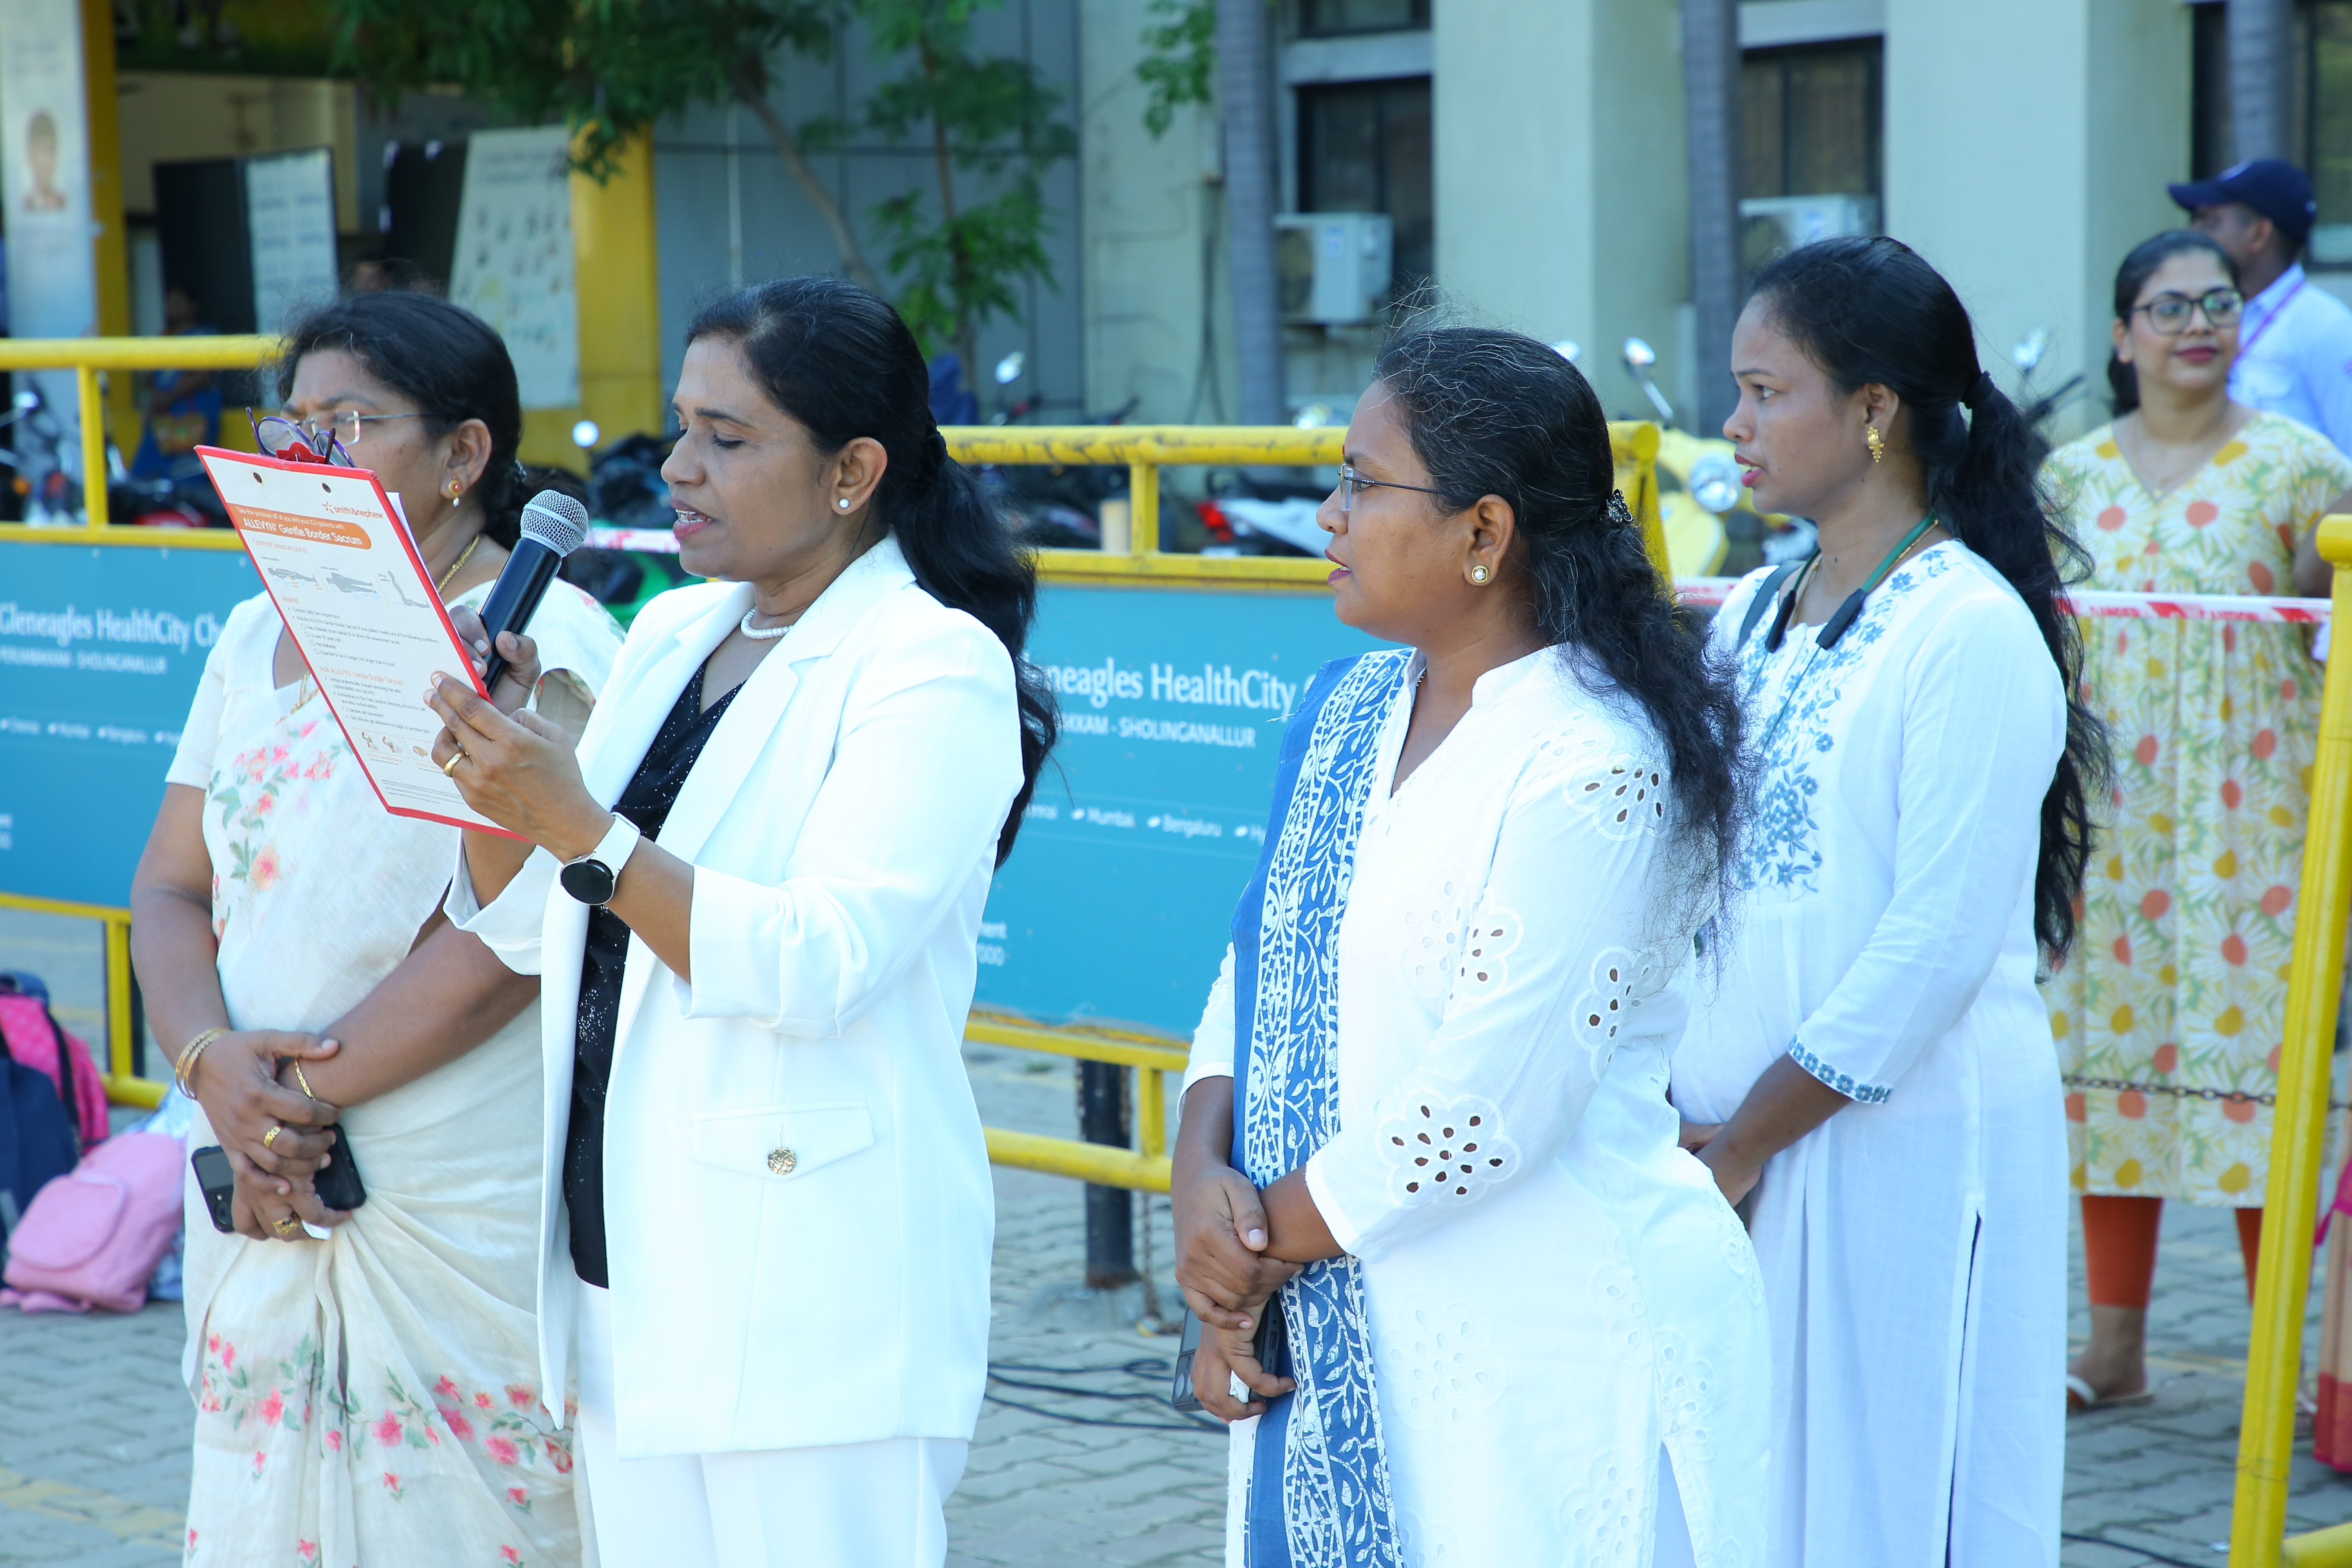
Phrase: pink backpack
(92, 1238)
(37, 1039)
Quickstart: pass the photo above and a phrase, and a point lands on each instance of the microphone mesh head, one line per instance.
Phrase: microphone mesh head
(556, 520)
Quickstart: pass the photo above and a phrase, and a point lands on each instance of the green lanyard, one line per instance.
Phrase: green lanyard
(1851, 611)
(1832, 629)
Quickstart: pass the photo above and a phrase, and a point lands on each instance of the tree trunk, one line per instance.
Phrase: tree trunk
(789, 146)
(2262, 78)
(1252, 192)
(1711, 106)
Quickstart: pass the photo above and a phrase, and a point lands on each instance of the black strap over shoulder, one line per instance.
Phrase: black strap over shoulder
(1766, 593)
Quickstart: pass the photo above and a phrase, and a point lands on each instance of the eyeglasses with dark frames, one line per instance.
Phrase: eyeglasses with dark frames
(1350, 482)
(322, 440)
(2169, 314)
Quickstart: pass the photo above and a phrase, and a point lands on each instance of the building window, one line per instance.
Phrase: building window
(1363, 147)
(1812, 120)
(2320, 133)
(1810, 145)
(1337, 18)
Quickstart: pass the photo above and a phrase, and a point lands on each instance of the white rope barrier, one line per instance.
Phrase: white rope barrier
(1711, 591)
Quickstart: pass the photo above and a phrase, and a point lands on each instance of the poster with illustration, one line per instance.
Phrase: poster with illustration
(52, 264)
(513, 267)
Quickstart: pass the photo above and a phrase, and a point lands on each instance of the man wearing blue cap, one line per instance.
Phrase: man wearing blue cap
(2295, 340)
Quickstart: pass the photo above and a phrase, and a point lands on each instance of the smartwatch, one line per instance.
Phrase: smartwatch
(593, 877)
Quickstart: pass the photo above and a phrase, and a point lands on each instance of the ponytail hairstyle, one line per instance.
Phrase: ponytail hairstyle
(2142, 264)
(1869, 309)
(1496, 413)
(447, 362)
(840, 362)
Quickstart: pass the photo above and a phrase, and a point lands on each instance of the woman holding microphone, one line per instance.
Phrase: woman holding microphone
(753, 903)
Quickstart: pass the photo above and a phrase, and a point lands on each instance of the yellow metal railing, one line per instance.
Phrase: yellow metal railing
(2298, 1130)
(87, 358)
(1129, 555)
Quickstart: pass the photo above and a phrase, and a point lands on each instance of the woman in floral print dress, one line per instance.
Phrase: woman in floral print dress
(367, 1391)
(2167, 1015)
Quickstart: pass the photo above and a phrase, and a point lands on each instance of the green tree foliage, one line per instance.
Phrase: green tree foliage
(611, 69)
(1180, 65)
(987, 117)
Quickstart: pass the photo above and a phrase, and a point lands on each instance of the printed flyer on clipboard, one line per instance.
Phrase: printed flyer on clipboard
(347, 580)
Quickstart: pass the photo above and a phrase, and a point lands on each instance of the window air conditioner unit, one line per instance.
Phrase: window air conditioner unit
(1334, 267)
(1772, 227)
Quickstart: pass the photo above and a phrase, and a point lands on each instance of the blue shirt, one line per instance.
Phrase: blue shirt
(2294, 356)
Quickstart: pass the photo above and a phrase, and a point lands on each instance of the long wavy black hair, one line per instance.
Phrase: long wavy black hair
(1870, 309)
(2146, 257)
(1494, 413)
(841, 362)
(447, 362)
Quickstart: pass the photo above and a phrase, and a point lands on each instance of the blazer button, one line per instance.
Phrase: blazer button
(782, 1161)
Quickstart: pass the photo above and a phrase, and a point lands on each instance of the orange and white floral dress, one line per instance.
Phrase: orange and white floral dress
(373, 1398)
(2170, 1012)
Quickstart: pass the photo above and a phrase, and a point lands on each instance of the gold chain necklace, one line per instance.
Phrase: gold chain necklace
(459, 564)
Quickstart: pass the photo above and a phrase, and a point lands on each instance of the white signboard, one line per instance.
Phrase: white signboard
(513, 267)
(290, 219)
(52, 264)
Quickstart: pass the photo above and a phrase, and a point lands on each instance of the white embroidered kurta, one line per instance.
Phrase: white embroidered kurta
(372, 1398)
(1913, 1245)
(1575, 1292)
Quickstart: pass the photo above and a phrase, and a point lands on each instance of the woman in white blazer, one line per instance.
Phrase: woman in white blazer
(768, 1218)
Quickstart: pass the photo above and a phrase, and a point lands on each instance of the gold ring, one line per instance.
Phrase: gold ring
(269, 1139)
(449, 768)
(286, 1225)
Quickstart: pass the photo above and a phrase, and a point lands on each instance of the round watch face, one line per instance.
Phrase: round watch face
(590, 881)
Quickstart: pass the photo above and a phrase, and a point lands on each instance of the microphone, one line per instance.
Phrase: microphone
(554, 526)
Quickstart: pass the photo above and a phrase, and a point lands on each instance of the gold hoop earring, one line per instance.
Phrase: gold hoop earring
(1479, 574)
(1877, 443)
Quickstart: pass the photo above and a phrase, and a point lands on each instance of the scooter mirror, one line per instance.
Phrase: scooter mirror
(2030, 349)
(1009, 368)
(1314, 416)
(585, 435)
(1568, 349)
(26, 401)
(1639, 355)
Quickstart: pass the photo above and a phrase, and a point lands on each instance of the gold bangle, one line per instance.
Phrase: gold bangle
(188, 1055)
(301, 1082)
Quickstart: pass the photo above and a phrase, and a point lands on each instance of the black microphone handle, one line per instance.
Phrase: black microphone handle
(513, 600)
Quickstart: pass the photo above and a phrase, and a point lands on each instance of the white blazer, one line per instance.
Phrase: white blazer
(842, 822)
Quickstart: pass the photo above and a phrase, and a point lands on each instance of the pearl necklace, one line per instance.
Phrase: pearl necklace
(765, 633)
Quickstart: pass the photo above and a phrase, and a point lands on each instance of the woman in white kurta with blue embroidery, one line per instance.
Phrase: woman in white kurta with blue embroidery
(1527, 1329)
(1875, 1053)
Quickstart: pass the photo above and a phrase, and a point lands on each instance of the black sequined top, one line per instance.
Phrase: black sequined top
(646, 803)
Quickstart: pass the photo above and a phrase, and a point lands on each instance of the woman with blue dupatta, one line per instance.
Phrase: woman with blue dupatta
(1426, 1123)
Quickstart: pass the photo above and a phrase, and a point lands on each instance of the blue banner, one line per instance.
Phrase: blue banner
(1115, 906)
(101, 648)
(1113, 909)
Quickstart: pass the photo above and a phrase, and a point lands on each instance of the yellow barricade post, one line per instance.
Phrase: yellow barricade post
(2298, 1130)
(1142, 450)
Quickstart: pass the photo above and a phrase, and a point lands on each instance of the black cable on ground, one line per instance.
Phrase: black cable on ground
(2128, 1546)
(1179, 1425)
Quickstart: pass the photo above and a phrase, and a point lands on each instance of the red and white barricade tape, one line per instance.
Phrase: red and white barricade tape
(1714, 590)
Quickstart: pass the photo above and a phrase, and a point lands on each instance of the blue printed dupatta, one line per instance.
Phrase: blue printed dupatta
(1318, 1493)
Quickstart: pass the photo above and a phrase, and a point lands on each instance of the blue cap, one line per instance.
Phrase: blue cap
(2272, 186)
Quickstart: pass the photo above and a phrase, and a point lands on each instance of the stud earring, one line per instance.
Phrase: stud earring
(1479, 574)
(843, 503)
(456, 488)
(1877, 443)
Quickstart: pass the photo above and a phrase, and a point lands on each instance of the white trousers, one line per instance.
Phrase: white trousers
(847, 1505)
